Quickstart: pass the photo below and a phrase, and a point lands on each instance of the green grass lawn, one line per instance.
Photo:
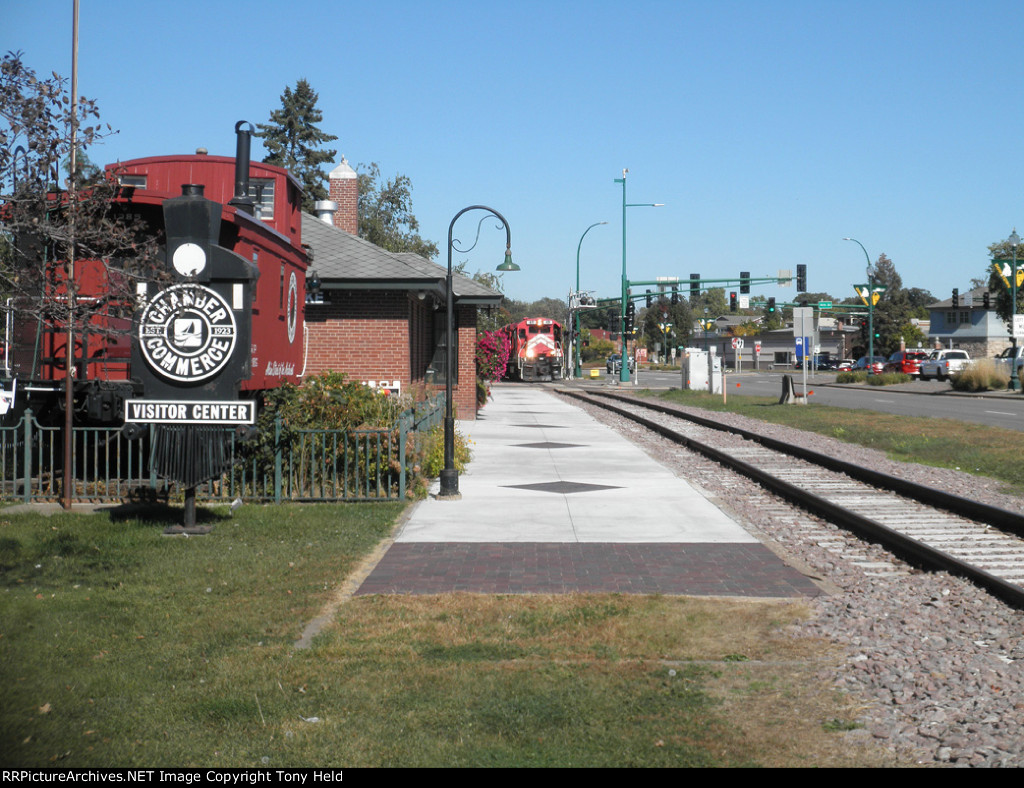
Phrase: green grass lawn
(123, 647)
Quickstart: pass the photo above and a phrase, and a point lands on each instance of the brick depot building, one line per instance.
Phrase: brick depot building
(379, 316)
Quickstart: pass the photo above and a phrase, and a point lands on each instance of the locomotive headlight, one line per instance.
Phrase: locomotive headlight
(530, 353)
(189, 259)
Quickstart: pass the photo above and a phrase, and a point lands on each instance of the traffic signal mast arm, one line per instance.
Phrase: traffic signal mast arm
(685, 284)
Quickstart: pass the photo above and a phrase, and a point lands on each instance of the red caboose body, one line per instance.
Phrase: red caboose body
(263, 227)
(535, 349)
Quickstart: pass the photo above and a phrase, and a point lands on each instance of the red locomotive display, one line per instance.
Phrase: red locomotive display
(535, 349)
(260, 222)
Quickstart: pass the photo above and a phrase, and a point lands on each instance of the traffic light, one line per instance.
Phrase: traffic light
(648, 298)
(675, 296)
(744, 282)
(771, 306)
(956, 297)
(630, 316)
(733, 301)
(613, 322)
(694, 285)
(986, 299)
(801, 278)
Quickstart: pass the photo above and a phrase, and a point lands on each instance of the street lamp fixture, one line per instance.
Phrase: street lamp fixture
(871, 306)
(578, 371)
(450, 476)
(624, 366)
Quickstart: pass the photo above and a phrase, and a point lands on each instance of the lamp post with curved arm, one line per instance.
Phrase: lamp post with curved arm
(578, 371)
(871, 306)
(624, 366)
(1014, 241)
(449, 489)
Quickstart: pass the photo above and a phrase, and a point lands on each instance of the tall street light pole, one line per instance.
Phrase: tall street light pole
(578, 372)
(450, 476)
(624, 357)
(1014, 240)
(871, 306)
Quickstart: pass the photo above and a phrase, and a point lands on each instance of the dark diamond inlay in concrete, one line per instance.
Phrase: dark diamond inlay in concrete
(549, 445)
(562, 488)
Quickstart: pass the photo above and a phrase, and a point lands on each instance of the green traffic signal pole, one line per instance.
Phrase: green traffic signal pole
(578, 372)
(624, 358)
(871, 305)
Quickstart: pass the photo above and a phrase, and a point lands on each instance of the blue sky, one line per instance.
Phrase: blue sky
(770, 129)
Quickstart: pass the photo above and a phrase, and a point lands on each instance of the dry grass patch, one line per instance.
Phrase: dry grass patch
(788, 716)
(578, 680)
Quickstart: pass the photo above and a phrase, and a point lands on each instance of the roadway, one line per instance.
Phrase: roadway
(932, 399)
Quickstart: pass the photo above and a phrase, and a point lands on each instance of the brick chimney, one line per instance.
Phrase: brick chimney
(344, 190)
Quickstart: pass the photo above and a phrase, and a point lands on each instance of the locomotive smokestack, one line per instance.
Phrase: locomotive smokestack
(242, 200)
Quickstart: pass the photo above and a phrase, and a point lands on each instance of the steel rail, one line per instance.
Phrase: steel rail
(1004, 519)
(907, 548)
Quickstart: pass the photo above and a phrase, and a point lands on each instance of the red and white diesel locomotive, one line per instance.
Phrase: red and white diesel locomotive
(260, 222)
(535, 349)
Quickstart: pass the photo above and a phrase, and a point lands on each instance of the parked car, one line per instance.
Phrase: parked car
(1003, 359)
(875, 367)
(943, 363)
(614, 364)
(906, 361)
(845, 365)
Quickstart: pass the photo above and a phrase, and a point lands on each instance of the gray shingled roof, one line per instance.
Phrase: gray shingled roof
(347, 262)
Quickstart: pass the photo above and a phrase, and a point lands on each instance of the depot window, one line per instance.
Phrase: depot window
(261, 190)
(437, 362)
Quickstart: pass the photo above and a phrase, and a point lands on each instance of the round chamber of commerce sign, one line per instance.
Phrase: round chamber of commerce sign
(187, 333)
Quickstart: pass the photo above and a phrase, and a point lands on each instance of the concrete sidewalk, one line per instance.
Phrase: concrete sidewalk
(554, 501)
(545, 471)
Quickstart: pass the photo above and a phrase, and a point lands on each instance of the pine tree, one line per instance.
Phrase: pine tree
(293, 141)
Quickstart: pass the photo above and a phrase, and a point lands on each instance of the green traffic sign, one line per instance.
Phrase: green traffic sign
(824, 305)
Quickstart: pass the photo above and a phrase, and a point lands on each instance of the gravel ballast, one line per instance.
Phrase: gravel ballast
(938, 662)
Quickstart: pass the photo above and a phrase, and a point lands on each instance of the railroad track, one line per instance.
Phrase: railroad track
(930, 528)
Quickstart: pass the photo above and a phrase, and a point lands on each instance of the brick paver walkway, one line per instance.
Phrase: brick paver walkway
(699, 569)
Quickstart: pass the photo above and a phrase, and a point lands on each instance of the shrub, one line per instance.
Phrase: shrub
(328, 401)
(889, 378)
(980, 375)
(885, 379)
(597, 349)
(432, 452)
(492, 351)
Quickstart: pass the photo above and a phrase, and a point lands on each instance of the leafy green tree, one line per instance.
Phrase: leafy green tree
(597, 317)
(919, 299)
(1001, 250)
(46, 224)
(714, 301)
(680, 315)
(813, 299)
(385, 214)
(294, 141)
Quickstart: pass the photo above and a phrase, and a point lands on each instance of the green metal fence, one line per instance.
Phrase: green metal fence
(296, 465)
